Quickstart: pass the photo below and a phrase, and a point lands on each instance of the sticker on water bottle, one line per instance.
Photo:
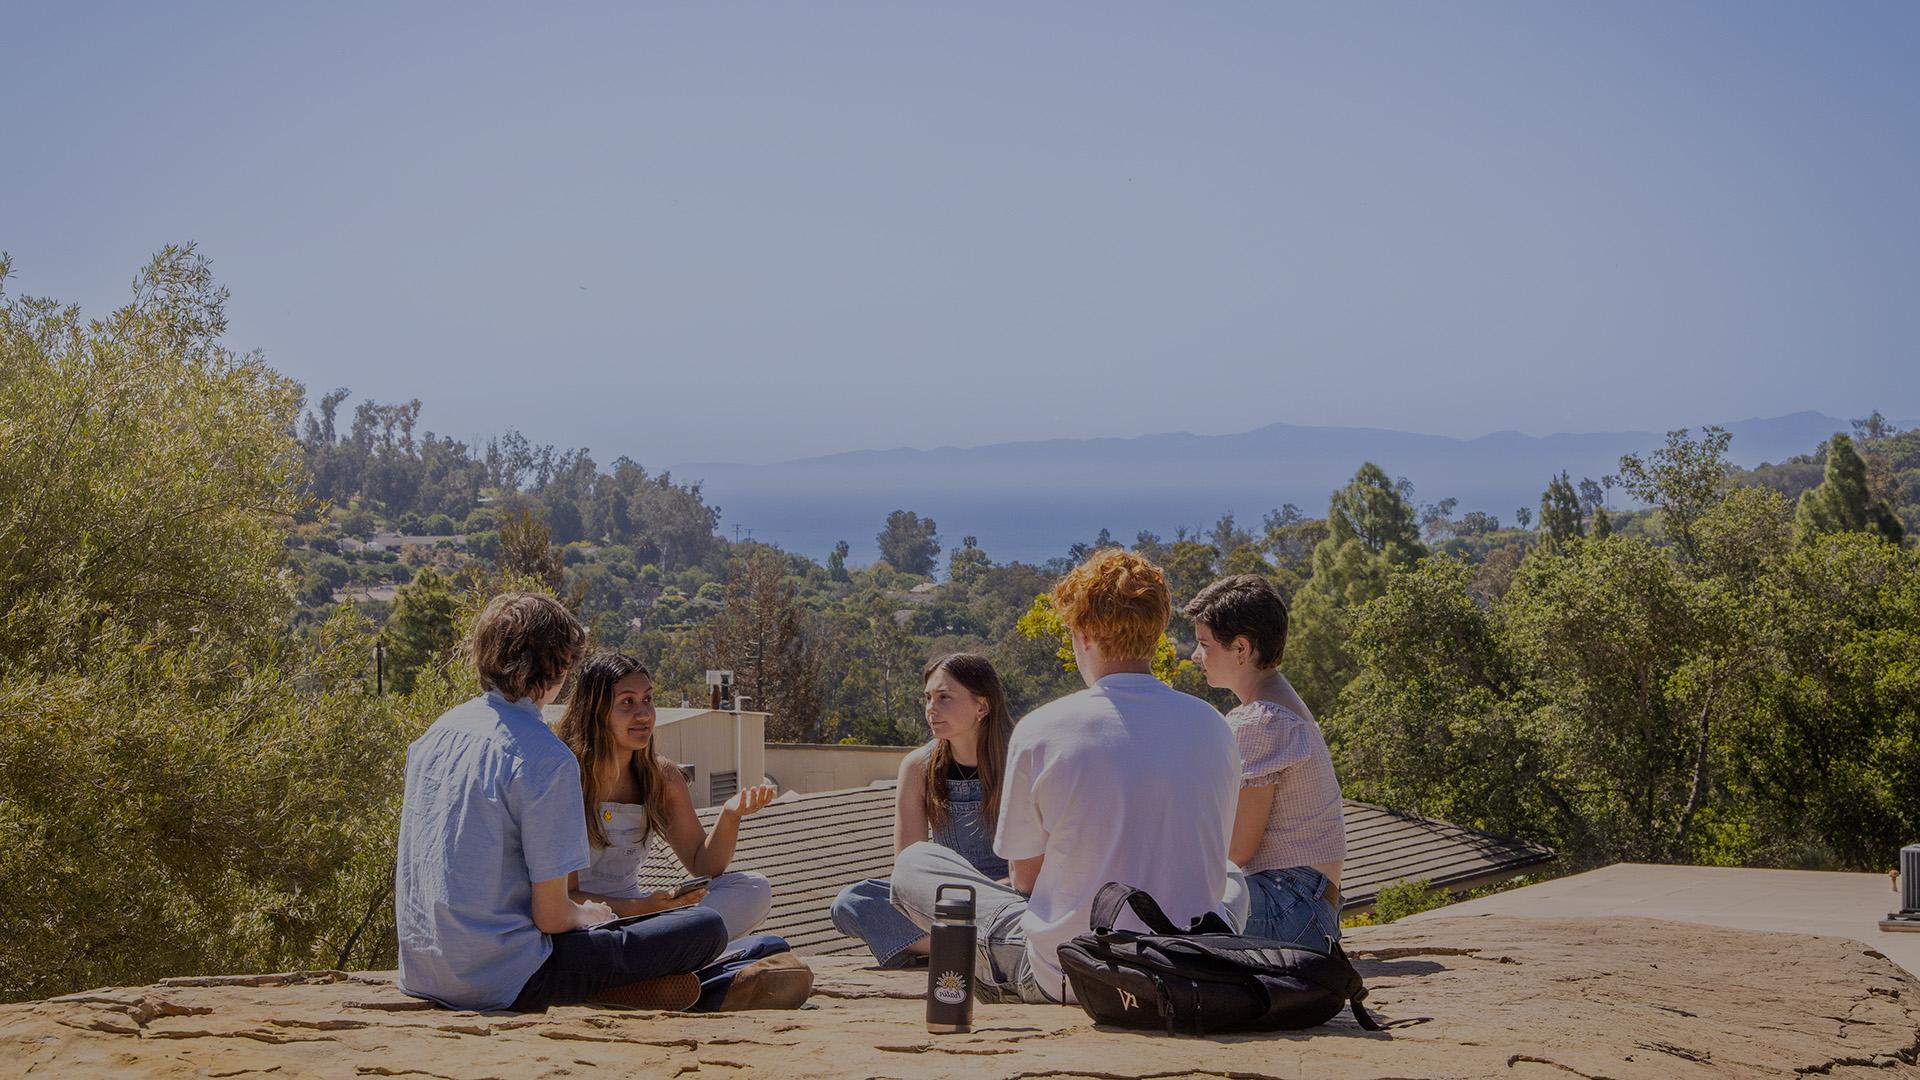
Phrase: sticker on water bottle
(950, 988)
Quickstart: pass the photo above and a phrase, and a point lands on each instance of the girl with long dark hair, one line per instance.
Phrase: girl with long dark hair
(949, 792)
(632, 794)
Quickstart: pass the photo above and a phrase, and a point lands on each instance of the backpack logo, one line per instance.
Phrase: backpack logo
(1128, 1001)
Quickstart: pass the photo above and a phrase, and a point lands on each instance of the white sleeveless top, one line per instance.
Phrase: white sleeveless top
(616, 867)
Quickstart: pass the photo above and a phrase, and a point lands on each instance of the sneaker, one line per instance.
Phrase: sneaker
(670, 992)
(782, 981)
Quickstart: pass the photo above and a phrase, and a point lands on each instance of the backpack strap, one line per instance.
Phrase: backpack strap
(1113, 896)
(1356, 992)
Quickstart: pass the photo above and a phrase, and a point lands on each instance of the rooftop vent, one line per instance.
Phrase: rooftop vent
(1908, 917)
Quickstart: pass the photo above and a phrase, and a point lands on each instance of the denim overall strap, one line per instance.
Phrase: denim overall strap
(967, 829)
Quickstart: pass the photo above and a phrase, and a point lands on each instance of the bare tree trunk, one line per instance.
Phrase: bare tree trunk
(373, 908)
(1699, 793)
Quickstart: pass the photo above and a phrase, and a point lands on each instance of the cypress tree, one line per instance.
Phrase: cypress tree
(1841, 501)
(1560, 511)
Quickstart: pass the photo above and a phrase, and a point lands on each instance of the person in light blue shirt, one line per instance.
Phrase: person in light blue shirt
(490, 831)
(486, 815)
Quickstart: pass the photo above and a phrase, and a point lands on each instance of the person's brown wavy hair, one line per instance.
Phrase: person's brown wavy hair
(524, 642)
(975, 672)
(584, 729)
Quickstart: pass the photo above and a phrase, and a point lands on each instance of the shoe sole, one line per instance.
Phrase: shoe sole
(674, 993)
(777, 982)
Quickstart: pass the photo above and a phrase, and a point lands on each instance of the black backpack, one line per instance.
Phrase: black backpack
(1203, 979)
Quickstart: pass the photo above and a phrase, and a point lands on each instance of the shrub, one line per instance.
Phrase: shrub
(1404, 898)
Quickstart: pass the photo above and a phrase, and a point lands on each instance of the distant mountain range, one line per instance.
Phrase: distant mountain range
(1031, 500)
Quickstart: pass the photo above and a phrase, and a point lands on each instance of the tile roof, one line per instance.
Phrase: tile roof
(811, 846)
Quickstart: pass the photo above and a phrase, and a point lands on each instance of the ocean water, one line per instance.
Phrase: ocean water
(1029, 527)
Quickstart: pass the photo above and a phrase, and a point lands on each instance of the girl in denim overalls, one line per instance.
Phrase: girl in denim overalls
(949, 792)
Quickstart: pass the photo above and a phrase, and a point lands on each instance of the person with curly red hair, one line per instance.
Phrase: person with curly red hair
(1128, 780)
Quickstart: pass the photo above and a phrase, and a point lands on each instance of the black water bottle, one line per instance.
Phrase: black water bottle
(950, 962)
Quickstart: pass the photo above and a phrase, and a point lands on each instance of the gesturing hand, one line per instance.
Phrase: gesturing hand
(748, 800)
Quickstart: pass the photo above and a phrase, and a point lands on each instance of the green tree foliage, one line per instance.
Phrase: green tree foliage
(761, 635)
(421, 629)
(1290, 538)
(1245, 559)
(1376, 512)
(1681, 480)
(526, 550)
(1190, 566)
(837, 561)
(1434, 718)
(877, 690)
(1827, 770)
(1841, 502)
(909, 543)
(183, 789)
(1403, 898)
(378, 462)
(1602, 523)
(1371, 532)
(1561, 515)
(1743, 704)
(146, 480)
(968, 562)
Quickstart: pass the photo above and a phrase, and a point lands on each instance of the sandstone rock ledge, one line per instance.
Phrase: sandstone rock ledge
(1466, 997)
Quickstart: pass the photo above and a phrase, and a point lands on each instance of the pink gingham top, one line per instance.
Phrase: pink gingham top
(1307, 825)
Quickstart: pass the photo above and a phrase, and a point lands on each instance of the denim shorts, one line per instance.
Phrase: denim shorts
(1291, 905)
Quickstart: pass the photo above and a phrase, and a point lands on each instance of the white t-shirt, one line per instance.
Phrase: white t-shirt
(1129, 781)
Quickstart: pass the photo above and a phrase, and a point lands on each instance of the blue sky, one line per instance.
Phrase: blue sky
(723, 232)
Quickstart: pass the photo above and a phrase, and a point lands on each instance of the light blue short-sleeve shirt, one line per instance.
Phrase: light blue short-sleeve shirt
(492, 805)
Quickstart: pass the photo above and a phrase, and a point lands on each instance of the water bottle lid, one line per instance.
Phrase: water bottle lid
(956, 907)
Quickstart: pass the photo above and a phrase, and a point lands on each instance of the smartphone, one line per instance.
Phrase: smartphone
(688, 886)
(614, 924)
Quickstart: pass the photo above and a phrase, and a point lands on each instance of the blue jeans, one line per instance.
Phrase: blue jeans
(864, 910)
(1291, 905)
(585, 962)
(1001, 969)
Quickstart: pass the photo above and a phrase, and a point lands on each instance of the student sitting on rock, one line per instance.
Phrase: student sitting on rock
(1128, 780)
(490, 830)
(1289, 831)
(632, 794)
(949, 791)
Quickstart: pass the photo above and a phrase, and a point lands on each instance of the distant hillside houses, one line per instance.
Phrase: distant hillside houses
(387, 541)
(362, 594)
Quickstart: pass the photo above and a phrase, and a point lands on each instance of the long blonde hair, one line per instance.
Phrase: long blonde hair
(584, 729)
(975, 672)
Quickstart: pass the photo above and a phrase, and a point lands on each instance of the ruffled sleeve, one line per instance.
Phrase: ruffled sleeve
(1271, 739)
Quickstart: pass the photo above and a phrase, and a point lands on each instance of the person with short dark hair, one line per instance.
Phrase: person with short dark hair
(1289, 826)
